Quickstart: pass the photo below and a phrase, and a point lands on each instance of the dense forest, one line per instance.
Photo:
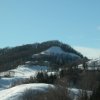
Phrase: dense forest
(11, 57)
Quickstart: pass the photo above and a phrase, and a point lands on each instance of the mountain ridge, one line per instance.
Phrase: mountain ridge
(12, 57)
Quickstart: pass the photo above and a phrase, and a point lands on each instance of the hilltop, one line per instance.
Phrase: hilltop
(11, 57)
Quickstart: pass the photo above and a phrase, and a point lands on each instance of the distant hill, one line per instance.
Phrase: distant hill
(49, 50)
(56, 56)
(94, 63)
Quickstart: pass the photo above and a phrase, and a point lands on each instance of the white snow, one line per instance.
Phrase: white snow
(80, 66)
(94, 62)
(27, 71)
(20, 73)
(5, 83)
(15, 92)
(75, 93)
(56, 51)
(23, 72)
(53, 50)
(52, 73)
(89, 67)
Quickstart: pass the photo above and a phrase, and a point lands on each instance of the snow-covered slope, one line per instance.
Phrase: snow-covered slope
(16, 92)
(20, 73)
(75, 93)
(27, 71)
(58, 52)
(94, 62)
(53, 50)
(24, 72)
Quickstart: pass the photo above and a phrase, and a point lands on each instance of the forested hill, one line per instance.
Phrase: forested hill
(11, 57)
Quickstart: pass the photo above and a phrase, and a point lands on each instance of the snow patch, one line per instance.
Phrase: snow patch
(53, 50)
(15, 92)
(56, 51)
(20, 73)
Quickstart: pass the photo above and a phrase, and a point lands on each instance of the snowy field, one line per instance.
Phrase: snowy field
(20, 73)
(24, 72)
(16, 92)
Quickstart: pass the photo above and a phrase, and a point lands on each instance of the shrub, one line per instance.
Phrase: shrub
(96, 94)
(57, 93)
(83, 95)
(28, 94)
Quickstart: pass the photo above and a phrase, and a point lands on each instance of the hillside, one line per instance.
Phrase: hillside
(56, 56)
(11, 57)
(19, 90)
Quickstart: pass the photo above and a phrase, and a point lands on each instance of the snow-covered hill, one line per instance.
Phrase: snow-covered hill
(56, 51)
(58, 54)
(16, 92)
(94, 62)
(27, 71)
(22, 72)
(53, 50)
